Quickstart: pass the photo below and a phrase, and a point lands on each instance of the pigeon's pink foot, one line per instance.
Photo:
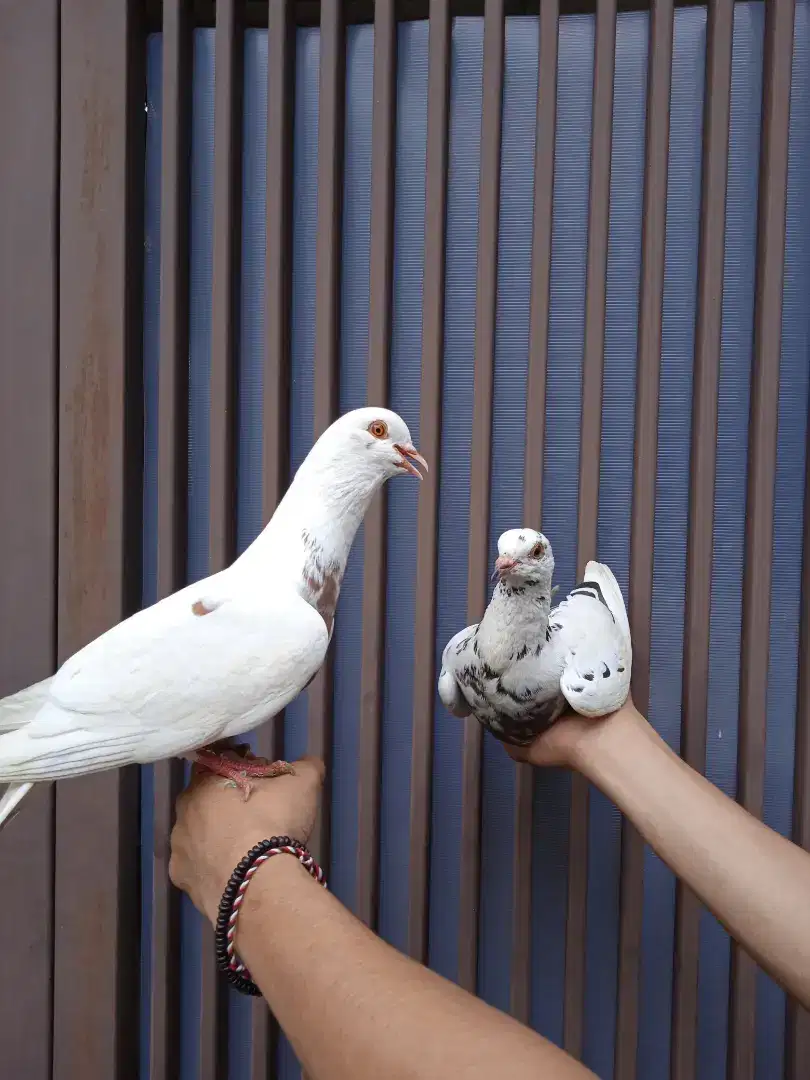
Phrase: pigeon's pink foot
(239, 766)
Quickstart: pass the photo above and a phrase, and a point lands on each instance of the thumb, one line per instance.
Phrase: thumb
(517, 753)
(311, 769)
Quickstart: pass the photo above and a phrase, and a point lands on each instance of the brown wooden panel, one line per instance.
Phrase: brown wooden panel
(797, 1065)
(598, 224)
(171, 498)
(761, 478)
(101, 228)
(716, 113)
(424, 665)
(276, 375)
(545, 133)
(29, 77)
(228, 58)
(642, 531)
(373, 644)
(331, 111)
(480, 464)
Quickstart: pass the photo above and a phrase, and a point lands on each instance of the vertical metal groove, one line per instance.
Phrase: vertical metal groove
(520, 987)
(374, 567)
(226, 233)
(642, 531)
(797, 1064)
(717, 106)
(480, 468)
(591, 426)
(171, 504)
(424, 666)
(763, 424)
(331, 111)
(276, 372)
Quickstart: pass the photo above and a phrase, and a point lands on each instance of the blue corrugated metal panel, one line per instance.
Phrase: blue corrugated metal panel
(672, 504)
(560, 484)
(730, 493)
(550, 858)
(454, 494)
(615, 498)
(405, 375)
(788, 509)
(508, 449)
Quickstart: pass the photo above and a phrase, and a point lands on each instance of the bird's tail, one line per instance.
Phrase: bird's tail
(10, 802)
(601, 575)
(19, 709)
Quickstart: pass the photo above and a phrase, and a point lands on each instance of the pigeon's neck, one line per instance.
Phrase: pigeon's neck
(307, 542)
(515, 622)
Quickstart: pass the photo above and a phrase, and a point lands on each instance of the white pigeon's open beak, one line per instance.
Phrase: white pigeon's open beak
(503, 564)
(407, 454)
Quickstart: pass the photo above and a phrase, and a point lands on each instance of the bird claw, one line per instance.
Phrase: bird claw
(238, 765)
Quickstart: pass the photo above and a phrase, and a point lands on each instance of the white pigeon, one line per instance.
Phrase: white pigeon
(524, 664)
(221, 656)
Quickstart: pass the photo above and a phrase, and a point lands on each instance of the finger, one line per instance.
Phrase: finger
(517, 753)
(311, 768)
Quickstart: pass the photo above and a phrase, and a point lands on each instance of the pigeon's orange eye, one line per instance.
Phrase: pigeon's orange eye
(378, 428)
(537, 551)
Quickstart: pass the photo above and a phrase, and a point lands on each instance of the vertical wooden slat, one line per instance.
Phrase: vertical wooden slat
(480, 466)
(228, 58)
(424, 688)
(171, 505)
(763, 425)
(100, 423)
(716, 112)
(545, 133)
(797, 1064)
(642, 531)
(381, 269)
(29, 77)
(598, 224)
(276, 376)
(331, 110)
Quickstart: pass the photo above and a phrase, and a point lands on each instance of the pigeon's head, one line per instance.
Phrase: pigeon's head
(374, 439)
(524, 558)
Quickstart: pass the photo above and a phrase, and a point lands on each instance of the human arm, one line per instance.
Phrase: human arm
(353, 1007)
(754, 881)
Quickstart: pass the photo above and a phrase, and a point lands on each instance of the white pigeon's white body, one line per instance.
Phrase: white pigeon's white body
(525, 663)
(221, 656)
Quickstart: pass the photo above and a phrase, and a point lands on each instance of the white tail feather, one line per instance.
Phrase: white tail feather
(10, 801)
(19, 709)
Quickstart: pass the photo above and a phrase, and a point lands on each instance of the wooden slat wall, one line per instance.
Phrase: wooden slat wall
(70, 199)
(99, 458)
(29, 50)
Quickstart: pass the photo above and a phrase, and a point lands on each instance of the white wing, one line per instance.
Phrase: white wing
(454, 654)
(592, 629)
(167, 681)
(19, 709)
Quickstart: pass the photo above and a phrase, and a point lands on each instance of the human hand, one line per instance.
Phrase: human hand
(573, 738)
(215, 826)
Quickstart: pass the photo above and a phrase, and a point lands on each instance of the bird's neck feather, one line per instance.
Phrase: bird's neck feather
(515, 618)
(307, 541)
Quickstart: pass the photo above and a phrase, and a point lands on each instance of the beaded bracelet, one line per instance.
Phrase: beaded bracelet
(225, 930)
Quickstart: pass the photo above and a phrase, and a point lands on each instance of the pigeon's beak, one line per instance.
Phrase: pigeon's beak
(407, 454)
(503, 564)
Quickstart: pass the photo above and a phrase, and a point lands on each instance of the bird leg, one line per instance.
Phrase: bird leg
(238, 764)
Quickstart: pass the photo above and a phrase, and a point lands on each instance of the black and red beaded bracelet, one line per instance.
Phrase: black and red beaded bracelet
(225, 929)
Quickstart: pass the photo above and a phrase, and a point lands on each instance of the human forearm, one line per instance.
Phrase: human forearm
(754, 881)
(354, 1008)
